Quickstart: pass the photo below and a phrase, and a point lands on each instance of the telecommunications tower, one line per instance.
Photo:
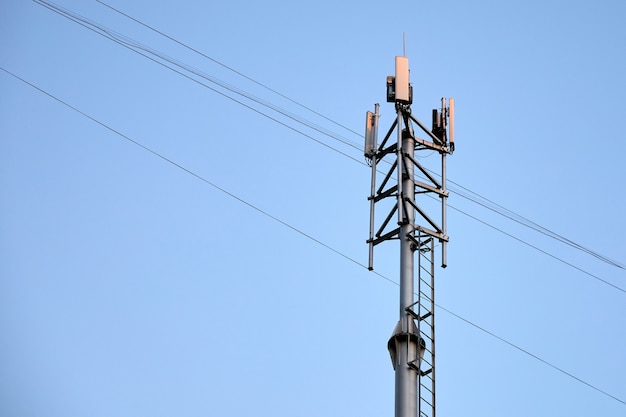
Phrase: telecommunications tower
(412, 344)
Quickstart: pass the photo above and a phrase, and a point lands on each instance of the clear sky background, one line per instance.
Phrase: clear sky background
(132, 287)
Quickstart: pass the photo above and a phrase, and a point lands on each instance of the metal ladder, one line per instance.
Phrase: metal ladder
(423, 311)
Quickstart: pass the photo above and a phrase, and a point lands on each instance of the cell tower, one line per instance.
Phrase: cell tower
(412, 344)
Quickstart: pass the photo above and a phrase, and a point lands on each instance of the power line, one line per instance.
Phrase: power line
(295, 229)
(138, 48)
(144, 50)
(532, 355)
(541, 250)
(524, 221)
(495, 207)
(228, 67)
(141, 49)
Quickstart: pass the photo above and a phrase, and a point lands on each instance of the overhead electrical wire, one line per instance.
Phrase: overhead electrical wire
(484, 202)
(227, 67)
(295, 229)
(524, 221)
(161, 59)
(541, 250)
(158, 58)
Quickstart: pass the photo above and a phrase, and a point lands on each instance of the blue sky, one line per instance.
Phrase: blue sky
(131, 287)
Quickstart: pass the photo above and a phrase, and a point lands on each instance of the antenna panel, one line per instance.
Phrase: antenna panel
(451, 123)
(402, 79)
(370, 135)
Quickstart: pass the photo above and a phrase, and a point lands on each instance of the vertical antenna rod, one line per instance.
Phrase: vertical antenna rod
(403, 43)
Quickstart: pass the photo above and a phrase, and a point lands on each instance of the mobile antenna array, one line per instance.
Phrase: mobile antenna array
(412, 344)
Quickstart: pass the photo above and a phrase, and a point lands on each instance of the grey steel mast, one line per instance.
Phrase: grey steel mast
(412, 344)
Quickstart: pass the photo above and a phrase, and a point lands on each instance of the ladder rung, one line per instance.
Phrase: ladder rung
(425, 296)
(426, 402)
(424, 334)
(427, 362)
(427, 389)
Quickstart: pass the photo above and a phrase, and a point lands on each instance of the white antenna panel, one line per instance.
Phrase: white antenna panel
(402, 79)
(370, 135)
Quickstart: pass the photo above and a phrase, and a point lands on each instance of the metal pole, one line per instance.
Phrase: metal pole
(370, 265)
(444, 246)
(405, 376)
(400, 164)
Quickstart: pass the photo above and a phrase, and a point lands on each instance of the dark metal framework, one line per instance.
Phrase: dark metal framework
(437, 141)
(412, 344)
